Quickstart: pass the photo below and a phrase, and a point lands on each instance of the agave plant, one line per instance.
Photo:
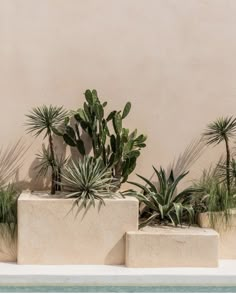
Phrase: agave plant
(88, 180)
(163, 201)
(47, 120)
(222, 130)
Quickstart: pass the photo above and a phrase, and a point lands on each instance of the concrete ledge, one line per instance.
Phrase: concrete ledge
(49, 232)
(172, 247)
(101, 275)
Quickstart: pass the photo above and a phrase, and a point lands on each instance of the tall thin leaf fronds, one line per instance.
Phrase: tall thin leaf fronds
(213, 197)
(45, 119)
(190, 155)
(11, 159)
(45, 161)
(8, 200)
(221, 128)
(48, 120)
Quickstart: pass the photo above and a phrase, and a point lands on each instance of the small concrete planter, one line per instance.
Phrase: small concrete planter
(227, 234)
(172, 247)
(8, 244)
(49, 232)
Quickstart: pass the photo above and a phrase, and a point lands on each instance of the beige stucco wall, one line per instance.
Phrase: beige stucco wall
(174, 60)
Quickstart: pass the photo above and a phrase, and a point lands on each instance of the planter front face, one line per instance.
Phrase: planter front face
(49, 232)
(172, 247)
(227, 235)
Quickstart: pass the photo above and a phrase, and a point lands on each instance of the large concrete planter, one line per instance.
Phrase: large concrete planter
(227, 234)
(8, 244)
(172, 247)
(50, 233)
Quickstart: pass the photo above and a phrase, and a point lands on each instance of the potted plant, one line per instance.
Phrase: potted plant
(88, 182)
(216, 201)
(164, 225)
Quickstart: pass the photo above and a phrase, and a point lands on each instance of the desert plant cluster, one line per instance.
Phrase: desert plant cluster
(105, 153)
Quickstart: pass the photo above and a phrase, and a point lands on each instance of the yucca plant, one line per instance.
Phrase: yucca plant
(163, 201)
(46, 162)
(88, 180)
(222, 130)
(47, 120)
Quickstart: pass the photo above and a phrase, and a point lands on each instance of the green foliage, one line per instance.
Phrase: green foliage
(216, 132)
(11, 159)
(8, 200)
(88, 180)
(213, 196)
(117, 146)
(223, 129)
(46, 162)
(47, 120)
(163, 201)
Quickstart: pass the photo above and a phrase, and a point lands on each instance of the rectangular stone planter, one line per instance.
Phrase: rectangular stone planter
(8, 244)
(49, 232)
(227, 234)
(172, 247)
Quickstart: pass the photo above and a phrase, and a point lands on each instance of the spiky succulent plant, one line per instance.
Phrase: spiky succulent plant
(47, 120)
(88, 180)
(164, 204)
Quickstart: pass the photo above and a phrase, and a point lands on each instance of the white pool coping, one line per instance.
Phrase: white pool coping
(13, 274)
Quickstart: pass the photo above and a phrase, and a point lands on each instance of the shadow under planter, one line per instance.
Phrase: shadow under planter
(167, 246)
(49, 232)
(227, 233)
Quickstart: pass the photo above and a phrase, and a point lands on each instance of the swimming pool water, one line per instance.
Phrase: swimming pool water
(118, 289)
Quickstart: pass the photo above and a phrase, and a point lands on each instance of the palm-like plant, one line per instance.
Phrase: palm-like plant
(88, 180)
(222, 130)
(45, 163)
(163, 202)
(47, 120)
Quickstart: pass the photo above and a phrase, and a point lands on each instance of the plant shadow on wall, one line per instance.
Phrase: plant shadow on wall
(218, 183)
(106, 151)
(11, 159)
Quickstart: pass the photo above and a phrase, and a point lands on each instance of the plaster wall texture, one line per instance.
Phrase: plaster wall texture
(227, 233)
(172, 247)
(50, 232)
(174, 60)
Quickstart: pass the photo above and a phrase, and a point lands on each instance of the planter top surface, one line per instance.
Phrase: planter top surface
(231, 211)
(45, 196)
(171, 230)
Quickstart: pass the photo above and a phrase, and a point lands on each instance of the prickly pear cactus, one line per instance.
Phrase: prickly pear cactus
(117, 146)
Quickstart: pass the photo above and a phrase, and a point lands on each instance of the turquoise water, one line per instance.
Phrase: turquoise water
(117, 289)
